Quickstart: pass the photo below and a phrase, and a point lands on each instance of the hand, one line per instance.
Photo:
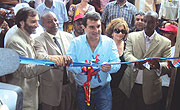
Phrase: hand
(106, 68)
(154, 64)
(139, 65)
(101, 10)
(58, 59)
(67, 60)
(4, 27)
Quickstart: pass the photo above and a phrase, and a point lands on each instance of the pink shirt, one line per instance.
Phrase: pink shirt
(103, 3)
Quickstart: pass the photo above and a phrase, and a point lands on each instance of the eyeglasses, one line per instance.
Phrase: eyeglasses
(123, 31)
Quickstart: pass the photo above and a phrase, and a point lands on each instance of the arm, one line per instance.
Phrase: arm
(27, 70)
(129, 56)
(72, 52)
(42, 53)
(167, 54)
(114, 57)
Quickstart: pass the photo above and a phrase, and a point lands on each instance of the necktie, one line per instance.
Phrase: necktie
(65, 77)
(57, 43)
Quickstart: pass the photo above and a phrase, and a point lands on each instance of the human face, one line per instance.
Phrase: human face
(119, 35)
(150, 23)
(139, 22)
(31, 24)
(51, 24)
(78, 28)
(93, 29)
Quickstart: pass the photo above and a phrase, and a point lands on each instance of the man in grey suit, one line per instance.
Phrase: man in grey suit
(27, 75)
(141, 84)
(55, 90)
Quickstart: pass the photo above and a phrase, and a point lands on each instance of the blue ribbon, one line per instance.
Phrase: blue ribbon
(24, 60)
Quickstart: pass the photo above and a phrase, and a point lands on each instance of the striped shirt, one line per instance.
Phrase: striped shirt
(114, 10)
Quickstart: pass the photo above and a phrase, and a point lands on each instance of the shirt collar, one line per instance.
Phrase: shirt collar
(50, 35)
(85, 39)
(147, 37)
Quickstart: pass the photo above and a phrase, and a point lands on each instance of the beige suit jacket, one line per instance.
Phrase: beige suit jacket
(51, 81)
(26, 75)
(135, 50)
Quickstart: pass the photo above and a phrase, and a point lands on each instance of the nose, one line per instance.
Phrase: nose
(96, 29)
(37, 24)
(55, 23)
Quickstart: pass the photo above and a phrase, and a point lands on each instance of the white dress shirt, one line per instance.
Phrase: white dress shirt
(148, 40)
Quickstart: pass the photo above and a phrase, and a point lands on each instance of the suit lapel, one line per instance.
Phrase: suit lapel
(141, 42)
(52, 43)
(153, 45)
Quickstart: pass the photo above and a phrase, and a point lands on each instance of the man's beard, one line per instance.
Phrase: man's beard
(30, 29)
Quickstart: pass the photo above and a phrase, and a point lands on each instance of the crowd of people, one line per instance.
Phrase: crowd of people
(67, 31)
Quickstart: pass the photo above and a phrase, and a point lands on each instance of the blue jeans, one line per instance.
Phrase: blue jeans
(101, 98)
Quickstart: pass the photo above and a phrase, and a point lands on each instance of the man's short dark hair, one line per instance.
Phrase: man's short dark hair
(92, 16)
(141, 13)
(153, 14)
(23, 14)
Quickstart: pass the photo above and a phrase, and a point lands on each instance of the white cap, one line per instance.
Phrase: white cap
(19, 6)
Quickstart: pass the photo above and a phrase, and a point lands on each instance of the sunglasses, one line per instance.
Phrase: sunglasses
(123, 31)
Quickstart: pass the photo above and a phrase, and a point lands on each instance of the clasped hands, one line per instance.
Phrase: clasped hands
(60, 60)
(106, 68)
(154, 64)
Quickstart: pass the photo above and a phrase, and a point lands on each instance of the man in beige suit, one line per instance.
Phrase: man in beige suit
(27, 75)
(55, 90)
(141, 84)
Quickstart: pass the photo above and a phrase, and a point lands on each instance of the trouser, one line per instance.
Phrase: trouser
(67, 101)
(137, 101)
(100, 98)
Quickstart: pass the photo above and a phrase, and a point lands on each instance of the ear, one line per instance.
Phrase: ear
(21, 23)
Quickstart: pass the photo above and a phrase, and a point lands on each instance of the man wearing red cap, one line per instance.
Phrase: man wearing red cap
(170, 32)
(77, 25)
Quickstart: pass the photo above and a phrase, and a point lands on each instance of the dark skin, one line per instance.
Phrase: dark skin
(150, 23)
(48, 3)
(78, 28)
(51, 24)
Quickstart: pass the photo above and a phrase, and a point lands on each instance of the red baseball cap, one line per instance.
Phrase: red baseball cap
(170, 28)
(79, 16)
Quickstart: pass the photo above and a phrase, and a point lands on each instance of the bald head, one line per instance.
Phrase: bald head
(50, 22)
(46, 15)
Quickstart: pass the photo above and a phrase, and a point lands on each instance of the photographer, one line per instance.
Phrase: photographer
(3, 26)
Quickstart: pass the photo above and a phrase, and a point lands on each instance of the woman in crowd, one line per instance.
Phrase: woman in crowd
(83, 7)
(118, 30)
